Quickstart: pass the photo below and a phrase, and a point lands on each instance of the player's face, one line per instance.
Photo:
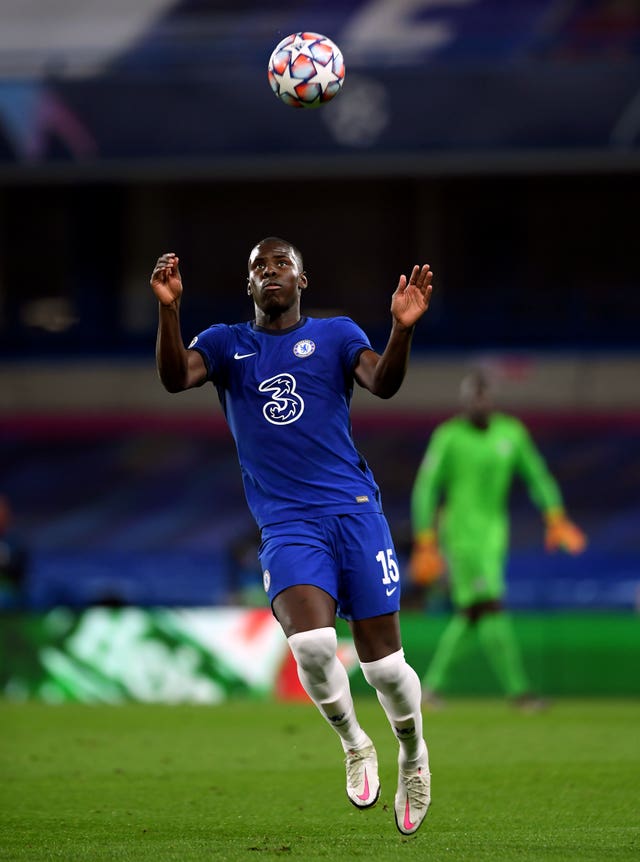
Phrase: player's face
(479, 405)
(275, 279)
(477, 399)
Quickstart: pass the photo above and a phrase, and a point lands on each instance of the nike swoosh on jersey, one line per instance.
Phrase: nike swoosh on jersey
(242, 355)
(391, 592)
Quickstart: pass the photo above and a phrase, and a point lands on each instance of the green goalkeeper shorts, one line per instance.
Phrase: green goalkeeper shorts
(475, 577)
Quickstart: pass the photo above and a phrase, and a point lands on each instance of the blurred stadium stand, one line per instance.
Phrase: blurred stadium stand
(152, 513)
(186, 79)
(498, 140)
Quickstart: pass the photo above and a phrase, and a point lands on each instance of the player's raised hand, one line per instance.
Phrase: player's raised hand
(411, 298)
(166, 281)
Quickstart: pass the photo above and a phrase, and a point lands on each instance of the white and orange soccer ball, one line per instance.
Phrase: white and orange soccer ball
(306, 70)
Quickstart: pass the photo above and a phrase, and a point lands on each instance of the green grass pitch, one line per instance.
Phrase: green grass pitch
(251, 780)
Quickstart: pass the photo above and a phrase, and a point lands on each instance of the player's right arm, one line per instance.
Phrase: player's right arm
(426, 563)
(178, 367)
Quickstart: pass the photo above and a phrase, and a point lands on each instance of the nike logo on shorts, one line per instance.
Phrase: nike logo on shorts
(242, 355)
(392, 591)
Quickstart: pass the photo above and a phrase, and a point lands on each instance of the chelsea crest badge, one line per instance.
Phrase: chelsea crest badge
(304, 348)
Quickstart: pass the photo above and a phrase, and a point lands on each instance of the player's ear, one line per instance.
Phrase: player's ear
(248, 287)
(303, 282)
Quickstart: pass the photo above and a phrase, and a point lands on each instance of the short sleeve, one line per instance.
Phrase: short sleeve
(212, 344)
(352, 342)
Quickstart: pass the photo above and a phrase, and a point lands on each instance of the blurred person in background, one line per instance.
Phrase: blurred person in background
(13, 560)
(285, 383)
(469, 465)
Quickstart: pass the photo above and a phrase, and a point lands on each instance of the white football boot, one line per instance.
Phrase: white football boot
(363, 784)
(413, 796)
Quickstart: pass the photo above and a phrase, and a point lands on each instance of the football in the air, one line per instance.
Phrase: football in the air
(306, 70)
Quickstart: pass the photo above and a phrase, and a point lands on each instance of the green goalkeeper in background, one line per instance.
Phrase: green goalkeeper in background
(469, 466)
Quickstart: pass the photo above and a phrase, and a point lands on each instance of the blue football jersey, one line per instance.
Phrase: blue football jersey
(286, 396)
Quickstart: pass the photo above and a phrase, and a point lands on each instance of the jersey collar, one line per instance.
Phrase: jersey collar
(286, 331)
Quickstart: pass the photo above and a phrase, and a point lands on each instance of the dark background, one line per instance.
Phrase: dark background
(522, 261)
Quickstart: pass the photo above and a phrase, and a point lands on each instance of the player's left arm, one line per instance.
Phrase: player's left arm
(382, 374)
(560, 532)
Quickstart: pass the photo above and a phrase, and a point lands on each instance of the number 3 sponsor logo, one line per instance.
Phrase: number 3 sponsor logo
(286, 405)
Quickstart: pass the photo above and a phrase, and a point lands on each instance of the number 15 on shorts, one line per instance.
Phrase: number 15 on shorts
(390, 571)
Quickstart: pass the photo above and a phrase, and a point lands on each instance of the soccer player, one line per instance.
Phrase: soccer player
(285, 383)
(470, 462)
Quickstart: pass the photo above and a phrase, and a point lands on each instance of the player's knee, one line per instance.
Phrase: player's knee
(315, 649)
(387, 674)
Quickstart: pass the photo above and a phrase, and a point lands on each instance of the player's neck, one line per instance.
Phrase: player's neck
(480, 421)
(278, 320)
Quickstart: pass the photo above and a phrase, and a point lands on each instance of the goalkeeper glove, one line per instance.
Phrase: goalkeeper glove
(563, 533)
(426, 563)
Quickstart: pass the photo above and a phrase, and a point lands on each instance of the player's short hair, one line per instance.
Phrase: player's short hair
(295, 251)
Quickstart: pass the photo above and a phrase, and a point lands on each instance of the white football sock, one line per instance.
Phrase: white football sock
(398, 689)
(325, 680)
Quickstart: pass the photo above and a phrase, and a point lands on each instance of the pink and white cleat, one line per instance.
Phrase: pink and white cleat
(363, 784)
(413, 796)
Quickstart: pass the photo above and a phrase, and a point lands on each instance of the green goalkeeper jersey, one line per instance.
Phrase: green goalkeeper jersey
(470, 470)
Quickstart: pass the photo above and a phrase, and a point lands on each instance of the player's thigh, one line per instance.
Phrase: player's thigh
(302, 608)
(369, 584)
(376, 637)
